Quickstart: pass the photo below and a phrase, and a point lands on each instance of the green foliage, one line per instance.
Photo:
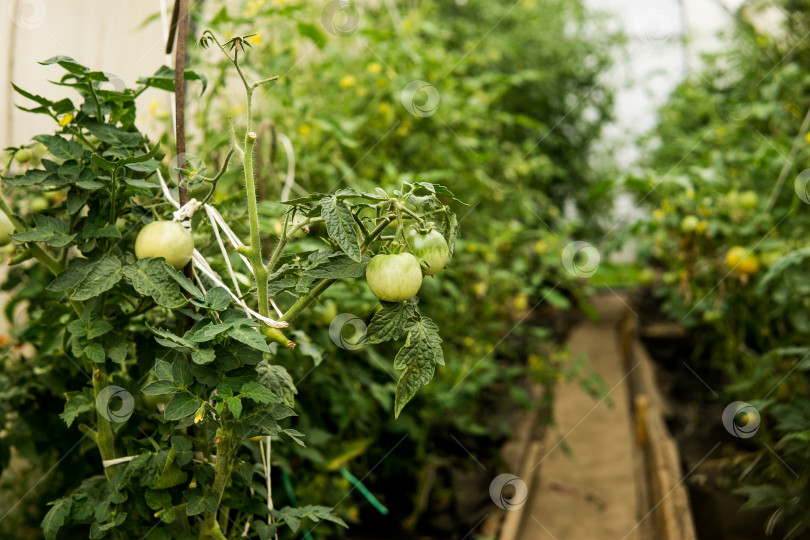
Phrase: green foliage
(728, 152)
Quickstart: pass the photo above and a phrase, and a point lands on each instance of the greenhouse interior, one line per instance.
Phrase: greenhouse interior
(394, 270)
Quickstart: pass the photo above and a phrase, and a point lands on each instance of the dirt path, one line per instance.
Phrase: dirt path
(591, 493)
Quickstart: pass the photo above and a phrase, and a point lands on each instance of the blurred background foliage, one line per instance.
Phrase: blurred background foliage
(725, 185)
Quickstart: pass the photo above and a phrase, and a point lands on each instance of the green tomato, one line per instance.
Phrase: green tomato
(24, 155)
(394, 278)
(167, 239)
(748, 200)
(689, 224)
(430, 247)
(6, 228)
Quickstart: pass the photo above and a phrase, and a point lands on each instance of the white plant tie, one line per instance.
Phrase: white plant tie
(184, 214)
(187, 211)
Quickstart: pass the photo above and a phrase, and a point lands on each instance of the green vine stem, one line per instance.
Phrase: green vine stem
(104, 437)
(254, 251)
(222, 473)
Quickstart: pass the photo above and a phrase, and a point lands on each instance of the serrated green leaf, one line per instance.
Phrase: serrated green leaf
(417, 358)
(170, 339)
(389, 323)
(52, 231)
(95, 353)
(181, 406)
(209, 332)
(56, 516)
(71, 276)
(235, 406)
(104, 273)
(258, 393)
(159, 388)
(277, 380)
(197, 504)
(218, 299)
(203, 356)
(164, 79)
(250, 337)
(340, 226)
(339, 266)
(150, 278)
(61, 147)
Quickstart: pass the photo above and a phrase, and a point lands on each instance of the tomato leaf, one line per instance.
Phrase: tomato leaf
(104, 273)
(277, 380)
(417, 358)
(389, 323)
(257, 392)
(56, 517)
(70, 276)
(51, 231)
(150, 278)
(249, 337)
(341, 226)
(181, 406)
(339, 266)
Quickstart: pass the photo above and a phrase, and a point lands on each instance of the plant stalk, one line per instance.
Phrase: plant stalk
(105, 438)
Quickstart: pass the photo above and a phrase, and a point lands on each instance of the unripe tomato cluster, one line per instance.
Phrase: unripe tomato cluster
(397, 277)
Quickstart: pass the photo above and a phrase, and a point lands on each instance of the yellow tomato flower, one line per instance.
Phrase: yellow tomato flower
(382, 81)
(383, 108)
(304, 130)
(65, 120)
(658, 215)
(347, 81)
(807, 137)
(404, 129)
(361, 92)
(256, 40)
(701, 227)
(374, 68)
(690, 193)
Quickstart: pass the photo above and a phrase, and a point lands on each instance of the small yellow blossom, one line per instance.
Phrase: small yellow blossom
(382, 81)
(362, 91)
(304, 130)
(199, 416)
(65, 120)
(807, 137)
(658, 215)
(383, 108)
(690, 193)
(256, 40)
(374, 68)
(347, 81)
(701, 227)
(404, 129)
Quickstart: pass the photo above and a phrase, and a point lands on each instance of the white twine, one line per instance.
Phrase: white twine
(184, 213)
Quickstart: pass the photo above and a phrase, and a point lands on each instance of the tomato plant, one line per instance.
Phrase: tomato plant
(182, 399)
